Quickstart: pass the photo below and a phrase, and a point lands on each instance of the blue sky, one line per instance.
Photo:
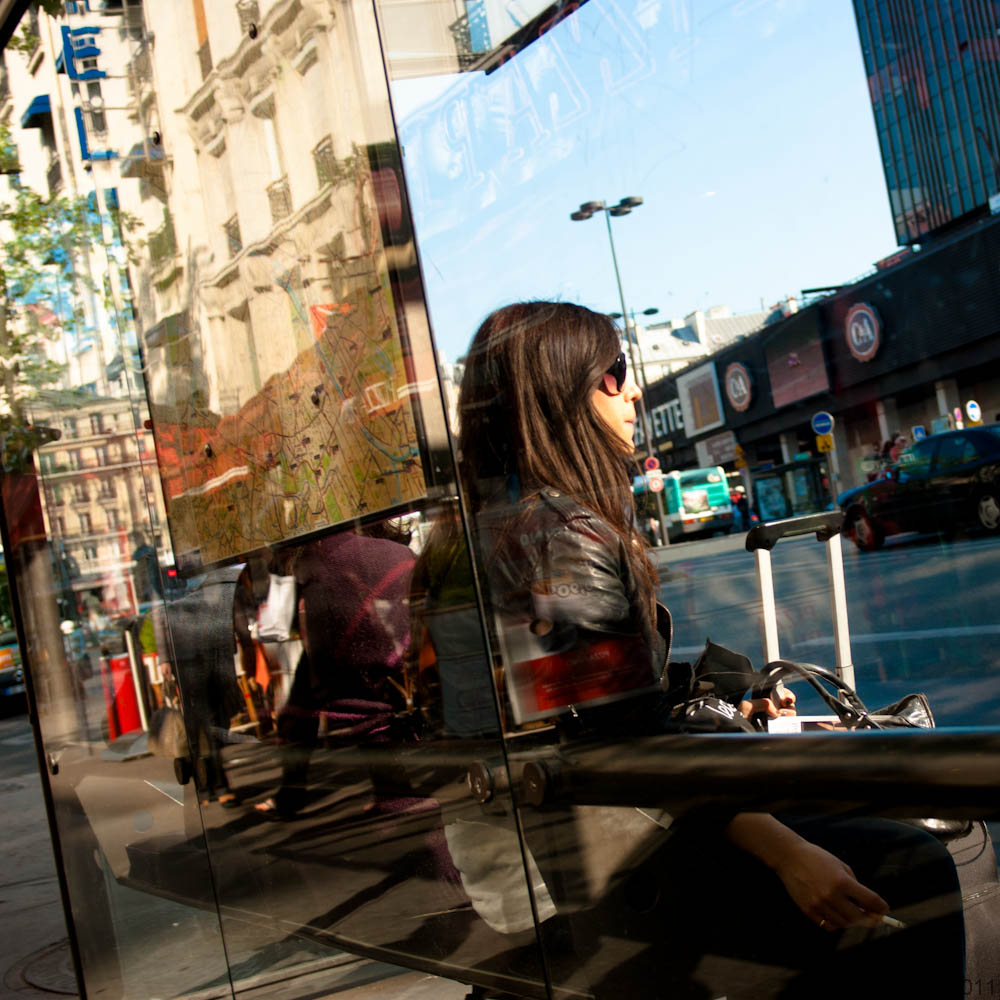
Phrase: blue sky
(744, 124)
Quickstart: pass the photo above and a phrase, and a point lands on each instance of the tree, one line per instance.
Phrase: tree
(41, 240)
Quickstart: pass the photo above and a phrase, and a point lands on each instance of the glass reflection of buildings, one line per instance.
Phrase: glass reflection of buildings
(228, 232)
(934, 78)
(66, 110)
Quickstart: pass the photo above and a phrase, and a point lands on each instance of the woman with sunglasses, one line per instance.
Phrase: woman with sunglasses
(547, 413)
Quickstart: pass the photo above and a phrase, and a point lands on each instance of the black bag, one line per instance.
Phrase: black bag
(705, 698)
(911, 711)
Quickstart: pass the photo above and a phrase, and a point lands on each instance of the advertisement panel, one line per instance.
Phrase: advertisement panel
(795, 364)
(701, 404)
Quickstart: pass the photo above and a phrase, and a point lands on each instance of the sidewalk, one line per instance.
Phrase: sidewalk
(36, 958)
(35, 961)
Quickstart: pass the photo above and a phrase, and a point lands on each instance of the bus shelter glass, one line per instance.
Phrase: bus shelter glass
(801, 281)
(226, 451)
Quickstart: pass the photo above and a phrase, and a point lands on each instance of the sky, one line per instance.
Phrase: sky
(745, 125)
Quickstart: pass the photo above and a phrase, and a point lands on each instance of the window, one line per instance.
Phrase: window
(94, 105)
(954, 451)
(86, 524)
(96, 424)
(915, 461)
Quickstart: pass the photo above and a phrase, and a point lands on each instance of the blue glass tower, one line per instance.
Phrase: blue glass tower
(934, 78)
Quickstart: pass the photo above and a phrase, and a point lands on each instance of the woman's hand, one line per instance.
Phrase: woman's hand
(825, 889)
(820, 884)
(781, 703)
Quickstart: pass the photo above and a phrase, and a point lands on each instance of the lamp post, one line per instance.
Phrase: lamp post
(624, 207)
(651, 311)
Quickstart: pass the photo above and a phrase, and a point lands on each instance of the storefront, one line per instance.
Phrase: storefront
(305, 687)
(902, 351)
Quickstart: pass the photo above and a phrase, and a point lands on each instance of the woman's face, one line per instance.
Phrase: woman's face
(617, 409)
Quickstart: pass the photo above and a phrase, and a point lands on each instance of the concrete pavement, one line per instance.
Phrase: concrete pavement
(35, 961)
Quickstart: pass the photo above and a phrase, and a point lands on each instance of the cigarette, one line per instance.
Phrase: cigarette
(892, 922)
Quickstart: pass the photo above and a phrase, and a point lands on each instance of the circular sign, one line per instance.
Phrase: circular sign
(973, 411)
(652, 463)
(863, 331)
(822, 422)
(655, 484)
(739, 386)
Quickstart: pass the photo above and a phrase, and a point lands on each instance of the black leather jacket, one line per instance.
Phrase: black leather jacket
(565, 602)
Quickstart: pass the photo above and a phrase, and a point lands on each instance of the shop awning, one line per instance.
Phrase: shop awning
(32, 118)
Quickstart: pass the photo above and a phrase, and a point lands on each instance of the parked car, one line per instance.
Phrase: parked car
(942, 484)
(11, 675)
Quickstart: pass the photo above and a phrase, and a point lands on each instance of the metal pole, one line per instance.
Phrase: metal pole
(643, 416)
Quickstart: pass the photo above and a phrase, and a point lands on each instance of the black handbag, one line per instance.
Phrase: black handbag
(705, 697)
(912, 711)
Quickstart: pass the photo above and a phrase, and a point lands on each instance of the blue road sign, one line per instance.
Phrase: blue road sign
(822, 422)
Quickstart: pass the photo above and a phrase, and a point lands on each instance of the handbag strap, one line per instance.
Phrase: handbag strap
(849, 708)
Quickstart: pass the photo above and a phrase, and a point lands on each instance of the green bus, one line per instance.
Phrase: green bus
(696, 503)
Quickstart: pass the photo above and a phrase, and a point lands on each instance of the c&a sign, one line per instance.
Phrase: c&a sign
(739, 386)
(863, 331)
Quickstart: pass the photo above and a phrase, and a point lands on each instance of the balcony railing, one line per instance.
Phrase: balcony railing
(329, 170)
(234, 240)
(248, 12)
(279, 196)
(163, 243)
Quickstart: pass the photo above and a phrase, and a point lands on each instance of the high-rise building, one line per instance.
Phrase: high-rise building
(934, 77)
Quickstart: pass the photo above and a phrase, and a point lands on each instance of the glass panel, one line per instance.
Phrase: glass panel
(653, 158)
(84, 534)
(228, 449)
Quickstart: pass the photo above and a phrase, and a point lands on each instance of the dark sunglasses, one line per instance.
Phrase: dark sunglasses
(614, 377)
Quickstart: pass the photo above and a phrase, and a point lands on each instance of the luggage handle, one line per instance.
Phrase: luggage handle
(826, 524)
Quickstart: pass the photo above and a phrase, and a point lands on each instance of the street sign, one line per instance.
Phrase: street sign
(974, 412)
(651, 464)
(824, 442)
(822, 422)
(959, 422)
(918, 433)
(655, 484)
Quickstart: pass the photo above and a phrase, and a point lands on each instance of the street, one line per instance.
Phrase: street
(924, 615)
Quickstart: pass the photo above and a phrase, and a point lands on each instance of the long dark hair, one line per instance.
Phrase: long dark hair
(526, 420)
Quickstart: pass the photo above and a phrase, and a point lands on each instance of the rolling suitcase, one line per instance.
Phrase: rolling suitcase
(970, 845)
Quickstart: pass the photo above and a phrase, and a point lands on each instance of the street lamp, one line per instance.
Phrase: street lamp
(651, 311)
(624, 207)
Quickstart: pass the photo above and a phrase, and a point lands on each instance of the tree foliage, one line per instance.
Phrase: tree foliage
(41, 241)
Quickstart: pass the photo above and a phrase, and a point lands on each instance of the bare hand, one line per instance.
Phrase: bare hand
(766, 707)
(826, 891)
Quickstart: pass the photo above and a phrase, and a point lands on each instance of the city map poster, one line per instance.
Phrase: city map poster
(330, 439)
